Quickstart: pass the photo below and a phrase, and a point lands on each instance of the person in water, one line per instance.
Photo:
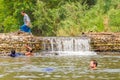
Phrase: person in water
(93, 64)
(29, 50)
(14, 54)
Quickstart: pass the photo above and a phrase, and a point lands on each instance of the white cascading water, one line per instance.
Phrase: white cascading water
(67, 45)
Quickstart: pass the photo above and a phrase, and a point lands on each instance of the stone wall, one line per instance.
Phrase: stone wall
(105, 42)
(100, 42)
(18, 42)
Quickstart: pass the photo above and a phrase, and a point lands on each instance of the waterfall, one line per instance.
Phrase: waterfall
(67, 45)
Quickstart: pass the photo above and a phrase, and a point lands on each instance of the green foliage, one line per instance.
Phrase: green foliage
(9, 24)
(60, 17)
(10, 17)
(71, 18)
(45, 19)
(115, 20)
(77, 20)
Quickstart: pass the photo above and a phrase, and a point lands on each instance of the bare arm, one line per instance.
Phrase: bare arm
(28, 23)
(28, 47)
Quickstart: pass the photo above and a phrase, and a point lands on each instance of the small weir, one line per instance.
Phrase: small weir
(45, 45)
(67, 45)
(82, 45)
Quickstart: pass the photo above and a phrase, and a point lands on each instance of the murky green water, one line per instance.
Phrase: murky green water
(59, 68)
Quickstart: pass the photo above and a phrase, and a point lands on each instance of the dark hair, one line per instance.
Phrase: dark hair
(95, 62)
(23, 11)
(13, 51)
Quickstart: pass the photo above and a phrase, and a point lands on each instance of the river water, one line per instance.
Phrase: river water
(72, 67)
(63, 58)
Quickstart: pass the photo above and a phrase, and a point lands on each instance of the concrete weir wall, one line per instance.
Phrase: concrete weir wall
(105, 42)
(100, 42)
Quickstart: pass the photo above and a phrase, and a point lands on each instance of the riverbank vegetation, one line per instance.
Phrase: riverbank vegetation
(61, 17)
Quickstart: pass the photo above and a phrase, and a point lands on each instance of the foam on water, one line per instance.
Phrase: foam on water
(67, 53)
(67, 46)
(24, 76)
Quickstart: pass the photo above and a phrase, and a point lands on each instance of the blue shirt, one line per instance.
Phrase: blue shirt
(15, 55)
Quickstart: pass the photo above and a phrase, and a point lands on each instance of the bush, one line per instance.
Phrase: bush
(10, 24)
(114, 20)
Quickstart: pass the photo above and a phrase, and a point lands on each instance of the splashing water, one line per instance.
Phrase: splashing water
(67, 45)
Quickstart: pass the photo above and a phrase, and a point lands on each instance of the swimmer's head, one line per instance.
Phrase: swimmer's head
(13, 51)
